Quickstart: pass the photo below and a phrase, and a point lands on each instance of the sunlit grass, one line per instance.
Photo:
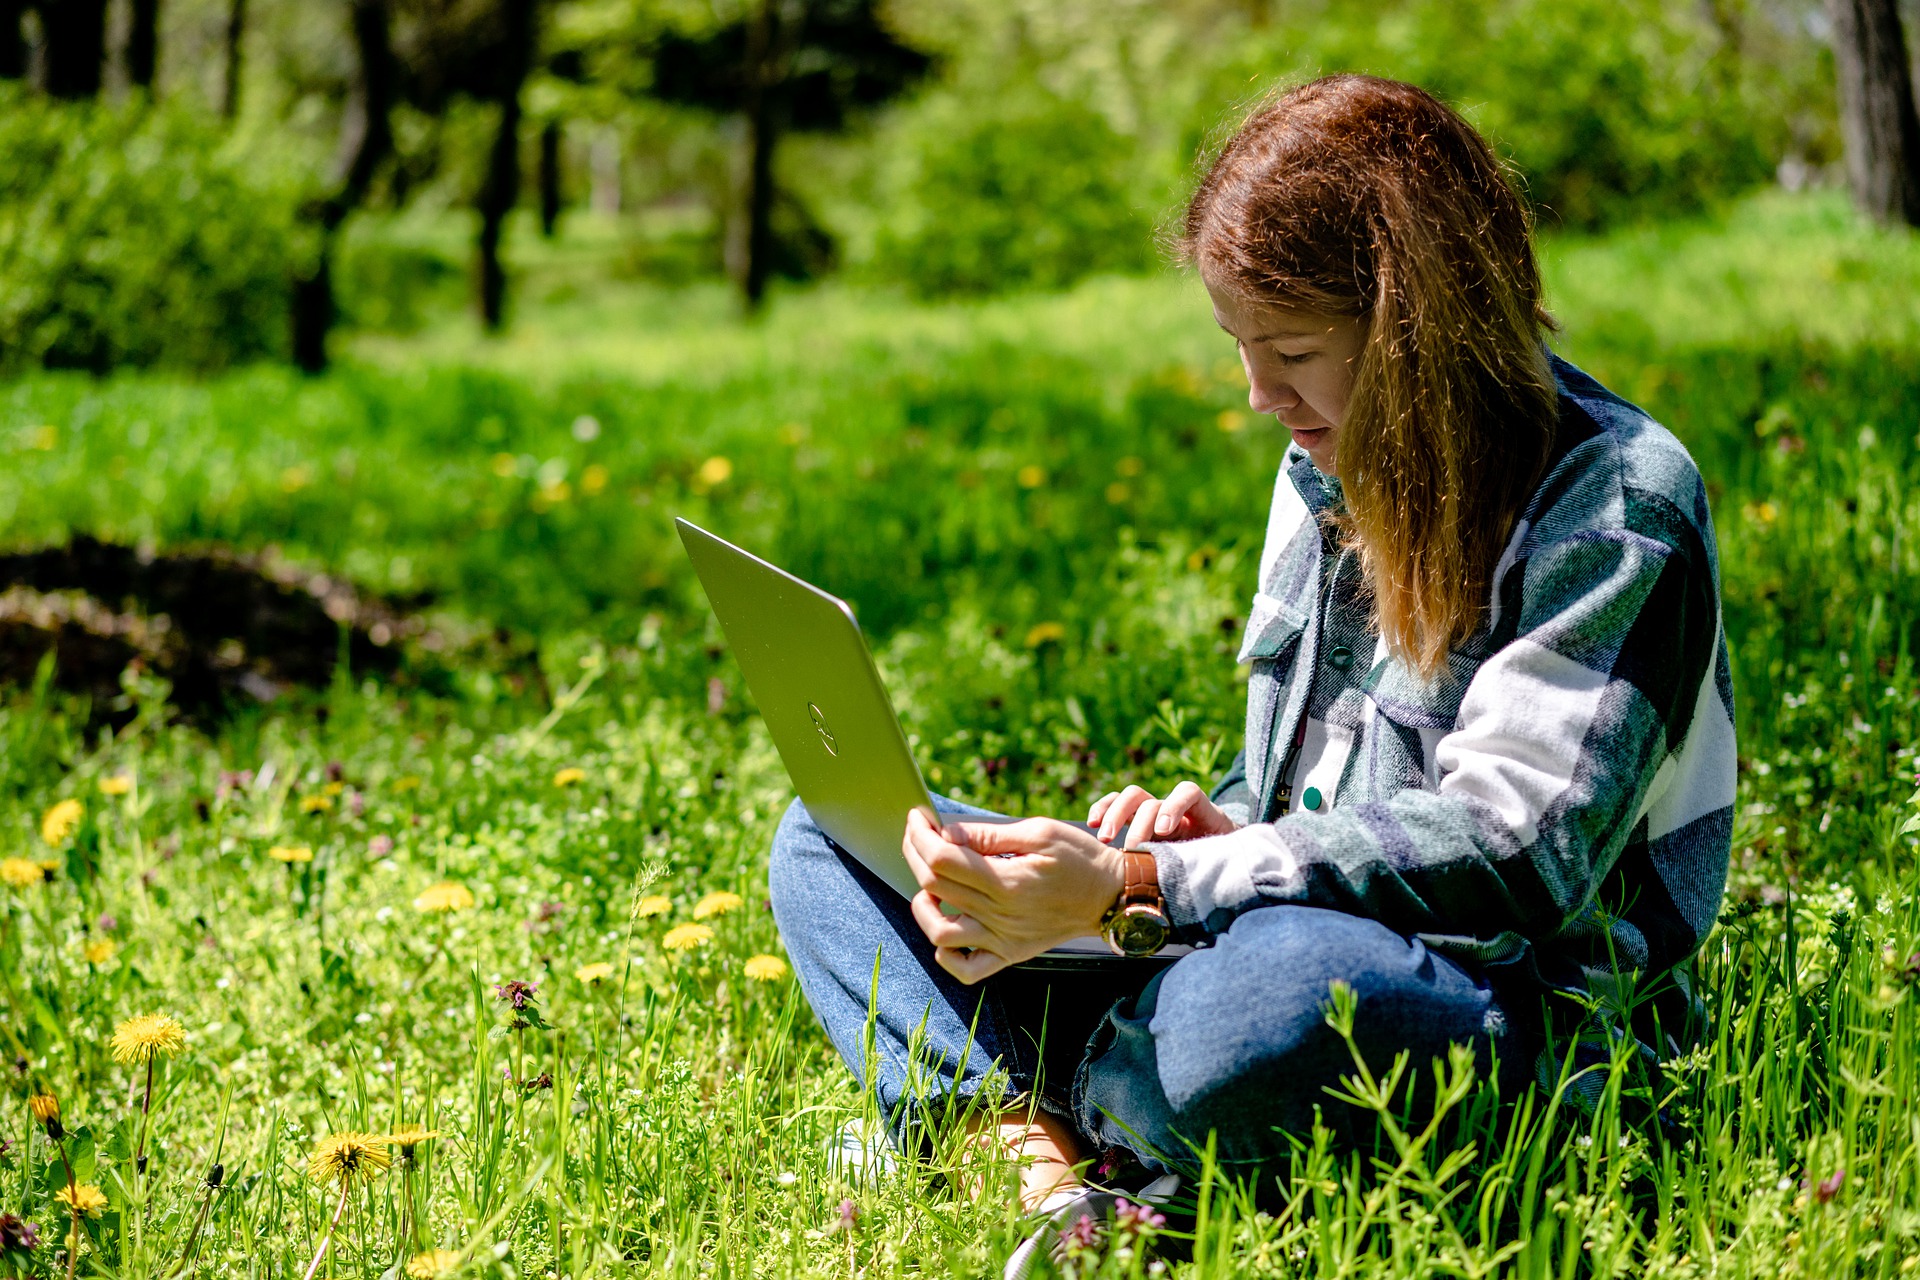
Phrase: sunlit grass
(538, 929)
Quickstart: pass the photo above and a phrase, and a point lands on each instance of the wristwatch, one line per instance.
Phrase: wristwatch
(1136, 924)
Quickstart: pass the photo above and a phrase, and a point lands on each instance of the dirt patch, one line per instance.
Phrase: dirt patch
(222, 626)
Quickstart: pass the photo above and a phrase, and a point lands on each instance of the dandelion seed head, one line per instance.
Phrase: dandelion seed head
(140, 1038)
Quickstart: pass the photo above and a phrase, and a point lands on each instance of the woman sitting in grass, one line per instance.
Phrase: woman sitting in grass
(1489, 754)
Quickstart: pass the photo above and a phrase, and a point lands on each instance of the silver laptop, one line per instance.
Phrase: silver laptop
(813, 678)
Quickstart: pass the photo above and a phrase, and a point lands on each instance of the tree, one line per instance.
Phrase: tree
(366, 140)
(500, 189)
(788, 66)
(1876, 108)
(13, 42)
(143, 42)
(76, 46)
(236, 33)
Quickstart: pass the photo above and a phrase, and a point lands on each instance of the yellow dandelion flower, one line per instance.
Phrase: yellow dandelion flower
(43, 1107)
(291, 853)
(1030, 476)
(445, 896)
(49, 867)
(599, 971)
(405, 783)
(1045, 633)
(1130, 466)
(716, 904)
(766, 968)
(409, 1136)
(83, 1199)
(59, 821)
(715, 471)
(432, 1264)
(1118, 493)
(20, 873)
(1231, 421)
(116, 785)
(349, 1156)
(686, 937)
(315, 804)
(139, 1038)
(657, 904)
(101, 950)
(593, 479)
(569, 777)
(334, 789)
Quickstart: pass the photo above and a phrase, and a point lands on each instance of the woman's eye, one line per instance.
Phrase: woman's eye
(1302, 358)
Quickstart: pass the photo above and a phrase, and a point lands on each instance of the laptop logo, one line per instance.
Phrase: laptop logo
(820, 727)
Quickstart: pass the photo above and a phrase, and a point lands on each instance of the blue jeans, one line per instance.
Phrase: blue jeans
(1230, 1040)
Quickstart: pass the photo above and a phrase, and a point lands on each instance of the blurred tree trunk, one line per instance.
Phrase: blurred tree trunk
(549, 177)
(749, 249)
(13, 44)
(500, 190)
(236, 34)
(366, 139)
(76, 48)
(1876, 108)
(143, 43)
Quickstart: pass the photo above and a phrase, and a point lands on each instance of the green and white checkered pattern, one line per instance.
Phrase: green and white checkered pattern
(1563, 794)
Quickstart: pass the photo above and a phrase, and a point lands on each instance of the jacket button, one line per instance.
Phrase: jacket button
(1340, 657)
(1311, 798)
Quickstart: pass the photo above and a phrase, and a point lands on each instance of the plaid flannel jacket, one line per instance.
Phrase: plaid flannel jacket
(1563, 795)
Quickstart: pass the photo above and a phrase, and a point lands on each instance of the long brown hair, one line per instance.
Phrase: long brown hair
(1362, 197)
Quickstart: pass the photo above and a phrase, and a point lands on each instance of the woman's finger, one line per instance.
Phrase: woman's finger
(936, 858)
(943, 930)
(1100, 807)
(1121, 811)
(968, 966)
(1175, 807)
(1141, 829)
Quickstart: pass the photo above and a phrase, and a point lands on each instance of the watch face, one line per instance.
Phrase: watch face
(1139, 932)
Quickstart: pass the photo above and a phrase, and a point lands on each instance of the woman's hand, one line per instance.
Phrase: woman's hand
(1185, 814)
(1017, 889)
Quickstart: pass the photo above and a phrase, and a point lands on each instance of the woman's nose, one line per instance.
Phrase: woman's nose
(1270, 397)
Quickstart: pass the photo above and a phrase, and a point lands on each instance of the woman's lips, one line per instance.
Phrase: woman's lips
(1307, 437)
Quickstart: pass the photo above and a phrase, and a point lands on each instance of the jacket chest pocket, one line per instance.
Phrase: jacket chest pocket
(1273, 629)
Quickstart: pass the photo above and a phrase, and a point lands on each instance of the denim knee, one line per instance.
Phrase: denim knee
(1233, 1039)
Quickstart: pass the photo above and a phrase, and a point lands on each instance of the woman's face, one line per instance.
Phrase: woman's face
(1299, 367)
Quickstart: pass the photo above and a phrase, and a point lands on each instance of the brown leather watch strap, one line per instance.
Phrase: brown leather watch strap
(1142, 880)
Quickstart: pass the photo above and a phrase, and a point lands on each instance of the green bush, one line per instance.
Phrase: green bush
(134, 236)
(1014, 189)
(1614, 110)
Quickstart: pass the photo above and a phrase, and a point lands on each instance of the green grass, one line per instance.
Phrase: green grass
(962, 473)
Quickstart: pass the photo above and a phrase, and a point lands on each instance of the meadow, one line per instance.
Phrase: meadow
(523, 912)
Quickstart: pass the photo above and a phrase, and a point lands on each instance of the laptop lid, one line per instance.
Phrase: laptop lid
(813, 678)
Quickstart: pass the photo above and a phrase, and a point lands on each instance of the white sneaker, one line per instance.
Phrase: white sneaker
(1065, 1209)
(861, 1151)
